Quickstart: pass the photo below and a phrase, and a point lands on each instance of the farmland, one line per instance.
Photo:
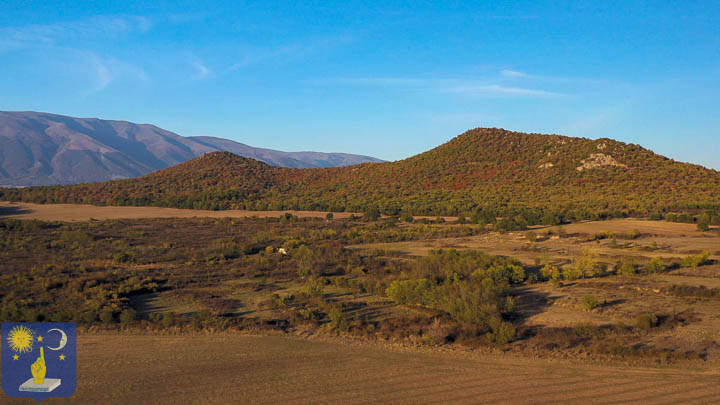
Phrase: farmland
(219, 369)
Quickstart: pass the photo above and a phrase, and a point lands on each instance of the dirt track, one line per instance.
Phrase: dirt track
(272, 369)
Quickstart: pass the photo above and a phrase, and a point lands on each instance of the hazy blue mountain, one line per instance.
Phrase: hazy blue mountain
(43, 149)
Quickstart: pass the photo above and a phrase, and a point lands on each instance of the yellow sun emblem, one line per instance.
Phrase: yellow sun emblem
(20, 339)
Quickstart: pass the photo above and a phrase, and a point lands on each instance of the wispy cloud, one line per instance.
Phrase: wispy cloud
(498, 90)
(201, 70)
(88, 28)
(514, 73)
(105, 71)
(299, 50)
(61, 44)
(488, 87)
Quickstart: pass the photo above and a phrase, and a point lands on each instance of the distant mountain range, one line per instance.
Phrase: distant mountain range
(45, 149)
(500, 173)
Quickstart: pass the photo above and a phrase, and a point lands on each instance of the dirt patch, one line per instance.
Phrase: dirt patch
(116, 369)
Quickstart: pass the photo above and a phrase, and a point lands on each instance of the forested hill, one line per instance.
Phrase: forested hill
(483, 170)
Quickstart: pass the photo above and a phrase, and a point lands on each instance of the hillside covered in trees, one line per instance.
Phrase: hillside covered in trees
(485, 173)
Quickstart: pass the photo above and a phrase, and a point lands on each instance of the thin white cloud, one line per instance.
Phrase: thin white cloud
(498, 90)
(470, 87)
(88, 28)
(298, 50)
(106, 71)
(514, 73)
(202, 70)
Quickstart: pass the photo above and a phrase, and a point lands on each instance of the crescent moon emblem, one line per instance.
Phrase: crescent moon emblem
(63, 340)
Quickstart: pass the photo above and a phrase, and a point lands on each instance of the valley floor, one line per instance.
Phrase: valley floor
(79, 212)
(117, 369)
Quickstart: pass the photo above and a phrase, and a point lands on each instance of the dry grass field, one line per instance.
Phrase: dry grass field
(656, 239)
(77, 212)
(117, 369)
(564, 352)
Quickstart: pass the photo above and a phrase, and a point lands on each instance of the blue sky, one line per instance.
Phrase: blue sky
(388, 80)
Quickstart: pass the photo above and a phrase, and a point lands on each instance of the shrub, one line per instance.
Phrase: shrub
(626, 267)
(571, 272)
(409, 291)
(125, 258)
(587, 264)
(372, 214)
(646, 321)
(503, 333)
(590, 302)
(655, 266)
(696, 261)
(107, 316)
(406, 217)
(531, 236)
(329, 215)
(316, 286)
(549, 271)
(703, 226)
(128, 315)
(337, 319)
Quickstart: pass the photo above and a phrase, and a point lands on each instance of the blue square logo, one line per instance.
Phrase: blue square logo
(39, 360)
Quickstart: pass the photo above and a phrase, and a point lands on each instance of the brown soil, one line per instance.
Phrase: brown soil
(273, 369)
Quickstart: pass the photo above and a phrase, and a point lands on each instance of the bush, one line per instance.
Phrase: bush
(587, 264)
(337, 319)
(646, 321)
(703, 226)
(655, 266)
(107, 316)
(590, 302)
(531, 236)
(696, 261)
(549, 271)
(128, 315)
(503, 333)
(124, 258)
(329, 215)
(372, 214)
(626, 267)
(572, 272)
(409, 291)
(316, 286)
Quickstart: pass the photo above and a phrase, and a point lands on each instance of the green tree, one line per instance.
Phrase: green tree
(587, 263)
